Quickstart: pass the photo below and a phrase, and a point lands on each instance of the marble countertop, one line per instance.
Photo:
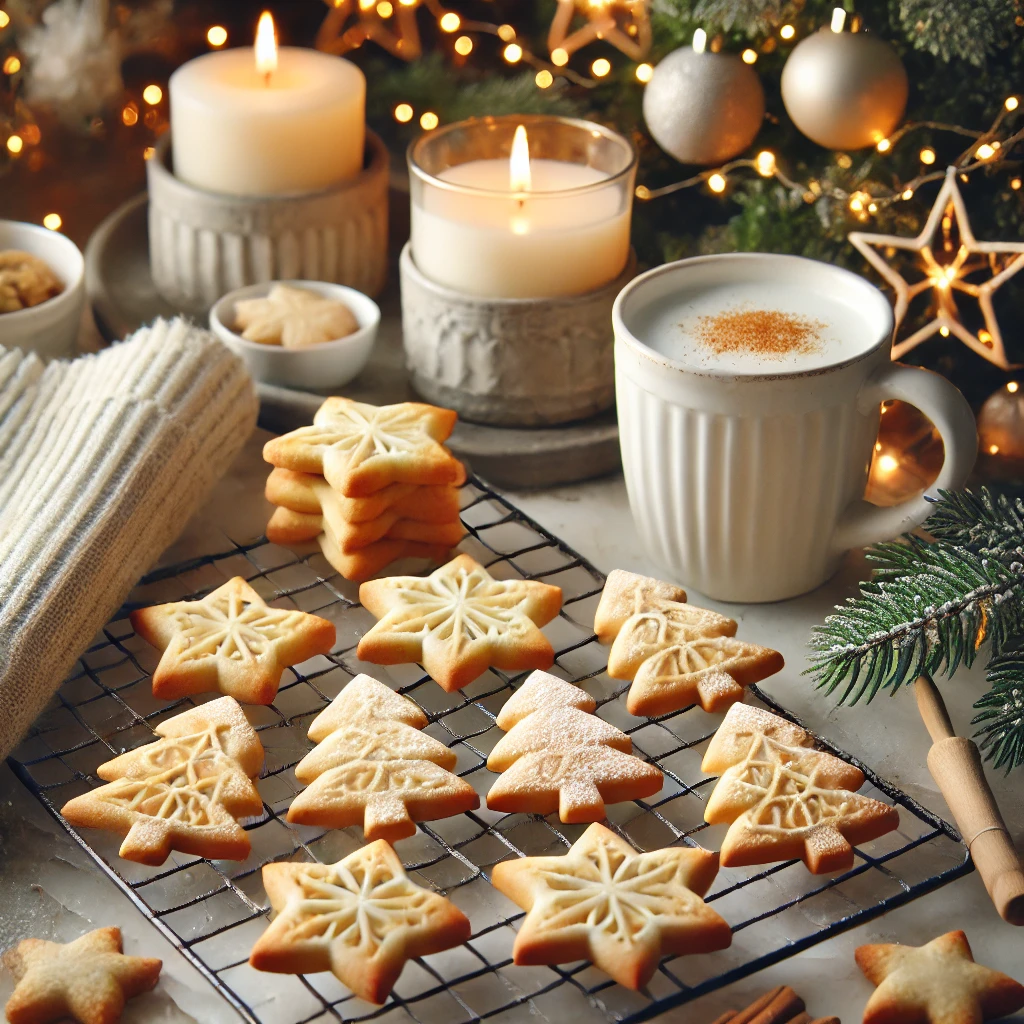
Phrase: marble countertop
(50, 888)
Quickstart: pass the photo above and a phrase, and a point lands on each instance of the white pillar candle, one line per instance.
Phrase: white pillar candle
(240, 128)
(486, 228)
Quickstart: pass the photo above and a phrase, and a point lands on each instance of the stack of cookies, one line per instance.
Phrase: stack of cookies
(371, 484)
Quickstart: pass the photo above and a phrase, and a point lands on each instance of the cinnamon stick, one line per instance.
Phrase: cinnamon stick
(786, 1005)
(727, 1018)
(747, 1015)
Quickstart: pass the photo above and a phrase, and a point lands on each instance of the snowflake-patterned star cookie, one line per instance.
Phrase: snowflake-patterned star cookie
(360, 449)
(783, 799)
(361, 918)
(230, 641)
(88, 980)
(938, 983)
(458, 622)
(182, 792)
(605, 902)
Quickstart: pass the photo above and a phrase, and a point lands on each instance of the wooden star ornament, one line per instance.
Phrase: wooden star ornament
(231, 641)
(88, 980)
(338, 36)
(605, 902)
(945, 277)
(938, 983)
(626, 24)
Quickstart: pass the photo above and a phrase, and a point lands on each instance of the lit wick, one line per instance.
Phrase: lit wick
(266, 47)
(519, 176)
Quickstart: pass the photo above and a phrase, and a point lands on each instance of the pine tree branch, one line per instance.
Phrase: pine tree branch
(1002, 712)
(983, 522)
(953, 29)
(928, 608)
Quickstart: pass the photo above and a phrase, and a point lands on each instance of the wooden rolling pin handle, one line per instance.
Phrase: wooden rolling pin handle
(955, 764)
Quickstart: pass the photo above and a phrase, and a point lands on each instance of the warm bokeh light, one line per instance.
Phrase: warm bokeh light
(152, 94)
(130, 115)
(513, 53)
(985, 338)
(266, 45)
(984, 151)
(31, 134)
(385, 9)
(559, 57)
(12, 65)
(216, 35)
(5, 19)
(506, 33)
(429, 121)
(403, 113)
(450, 22)
(787, 31)
(1015, 184)
(1012, 103)
(927, 155)
(600, 67)
(52, 221)
(463, 46)
(884, 145)
(944, 331)
(888, 463)
(642, 192)
(749, 56)
(148, 152)
(15, 144)
(544, 79)
(644, 72)
(716, 182)
(908, 193)
(765, 163)
(1013, 387)
(993, 449)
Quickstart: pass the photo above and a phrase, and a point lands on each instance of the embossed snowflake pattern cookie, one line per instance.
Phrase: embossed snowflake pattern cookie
(360, 449)
(605, 902)
(675, 653)
(783, 799)
(361, 918)
(185, 791)
(458, 622)
(231, 641)
(373, 767)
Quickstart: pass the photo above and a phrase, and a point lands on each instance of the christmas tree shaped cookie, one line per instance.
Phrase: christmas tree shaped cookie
(675, 653)
(361, 918)
(783, 799)
(605, 902)
(372, 766)
(558, 757)
(184, 791)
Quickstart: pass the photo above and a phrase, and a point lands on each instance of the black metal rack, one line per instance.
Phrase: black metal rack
(213, 911)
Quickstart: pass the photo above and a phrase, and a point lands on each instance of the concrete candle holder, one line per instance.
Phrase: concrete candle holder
(204, 244)
(510, 362)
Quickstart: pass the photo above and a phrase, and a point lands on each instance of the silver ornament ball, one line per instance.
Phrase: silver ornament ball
(703, 108)
(844, 90)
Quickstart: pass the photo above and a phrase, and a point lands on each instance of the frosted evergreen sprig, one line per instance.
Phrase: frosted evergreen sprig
(1002, 712)
(981, 522)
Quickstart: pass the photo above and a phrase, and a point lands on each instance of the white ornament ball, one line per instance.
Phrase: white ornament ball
(844, 90)
(703, 108)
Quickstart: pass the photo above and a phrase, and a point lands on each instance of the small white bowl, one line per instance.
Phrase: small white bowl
(51, 328)
(317, 368)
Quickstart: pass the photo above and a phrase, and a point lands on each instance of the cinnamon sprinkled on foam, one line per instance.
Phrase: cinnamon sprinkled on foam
(766, 332)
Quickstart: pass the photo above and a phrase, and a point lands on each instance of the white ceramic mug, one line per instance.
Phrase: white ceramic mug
(749, 486)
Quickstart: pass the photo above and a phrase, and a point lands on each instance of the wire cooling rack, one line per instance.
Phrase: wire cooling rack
(213, 911)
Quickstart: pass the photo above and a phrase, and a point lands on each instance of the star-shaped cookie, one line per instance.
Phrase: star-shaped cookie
(294, 318)
(938, 983)
(360, 449)
(361, 918)
(458, 622)
(230, 641)
(605, 902)
(88, 980)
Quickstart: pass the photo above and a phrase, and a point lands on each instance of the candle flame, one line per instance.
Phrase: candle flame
(700, 41)
(519, 162)
(266, 45)
(838, 19)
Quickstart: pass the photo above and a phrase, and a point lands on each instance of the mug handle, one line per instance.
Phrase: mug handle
(863, 523)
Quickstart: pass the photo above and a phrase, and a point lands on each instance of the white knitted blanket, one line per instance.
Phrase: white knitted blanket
(102, 461)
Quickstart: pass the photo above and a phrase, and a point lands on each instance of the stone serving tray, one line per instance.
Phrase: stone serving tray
(123, 298)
